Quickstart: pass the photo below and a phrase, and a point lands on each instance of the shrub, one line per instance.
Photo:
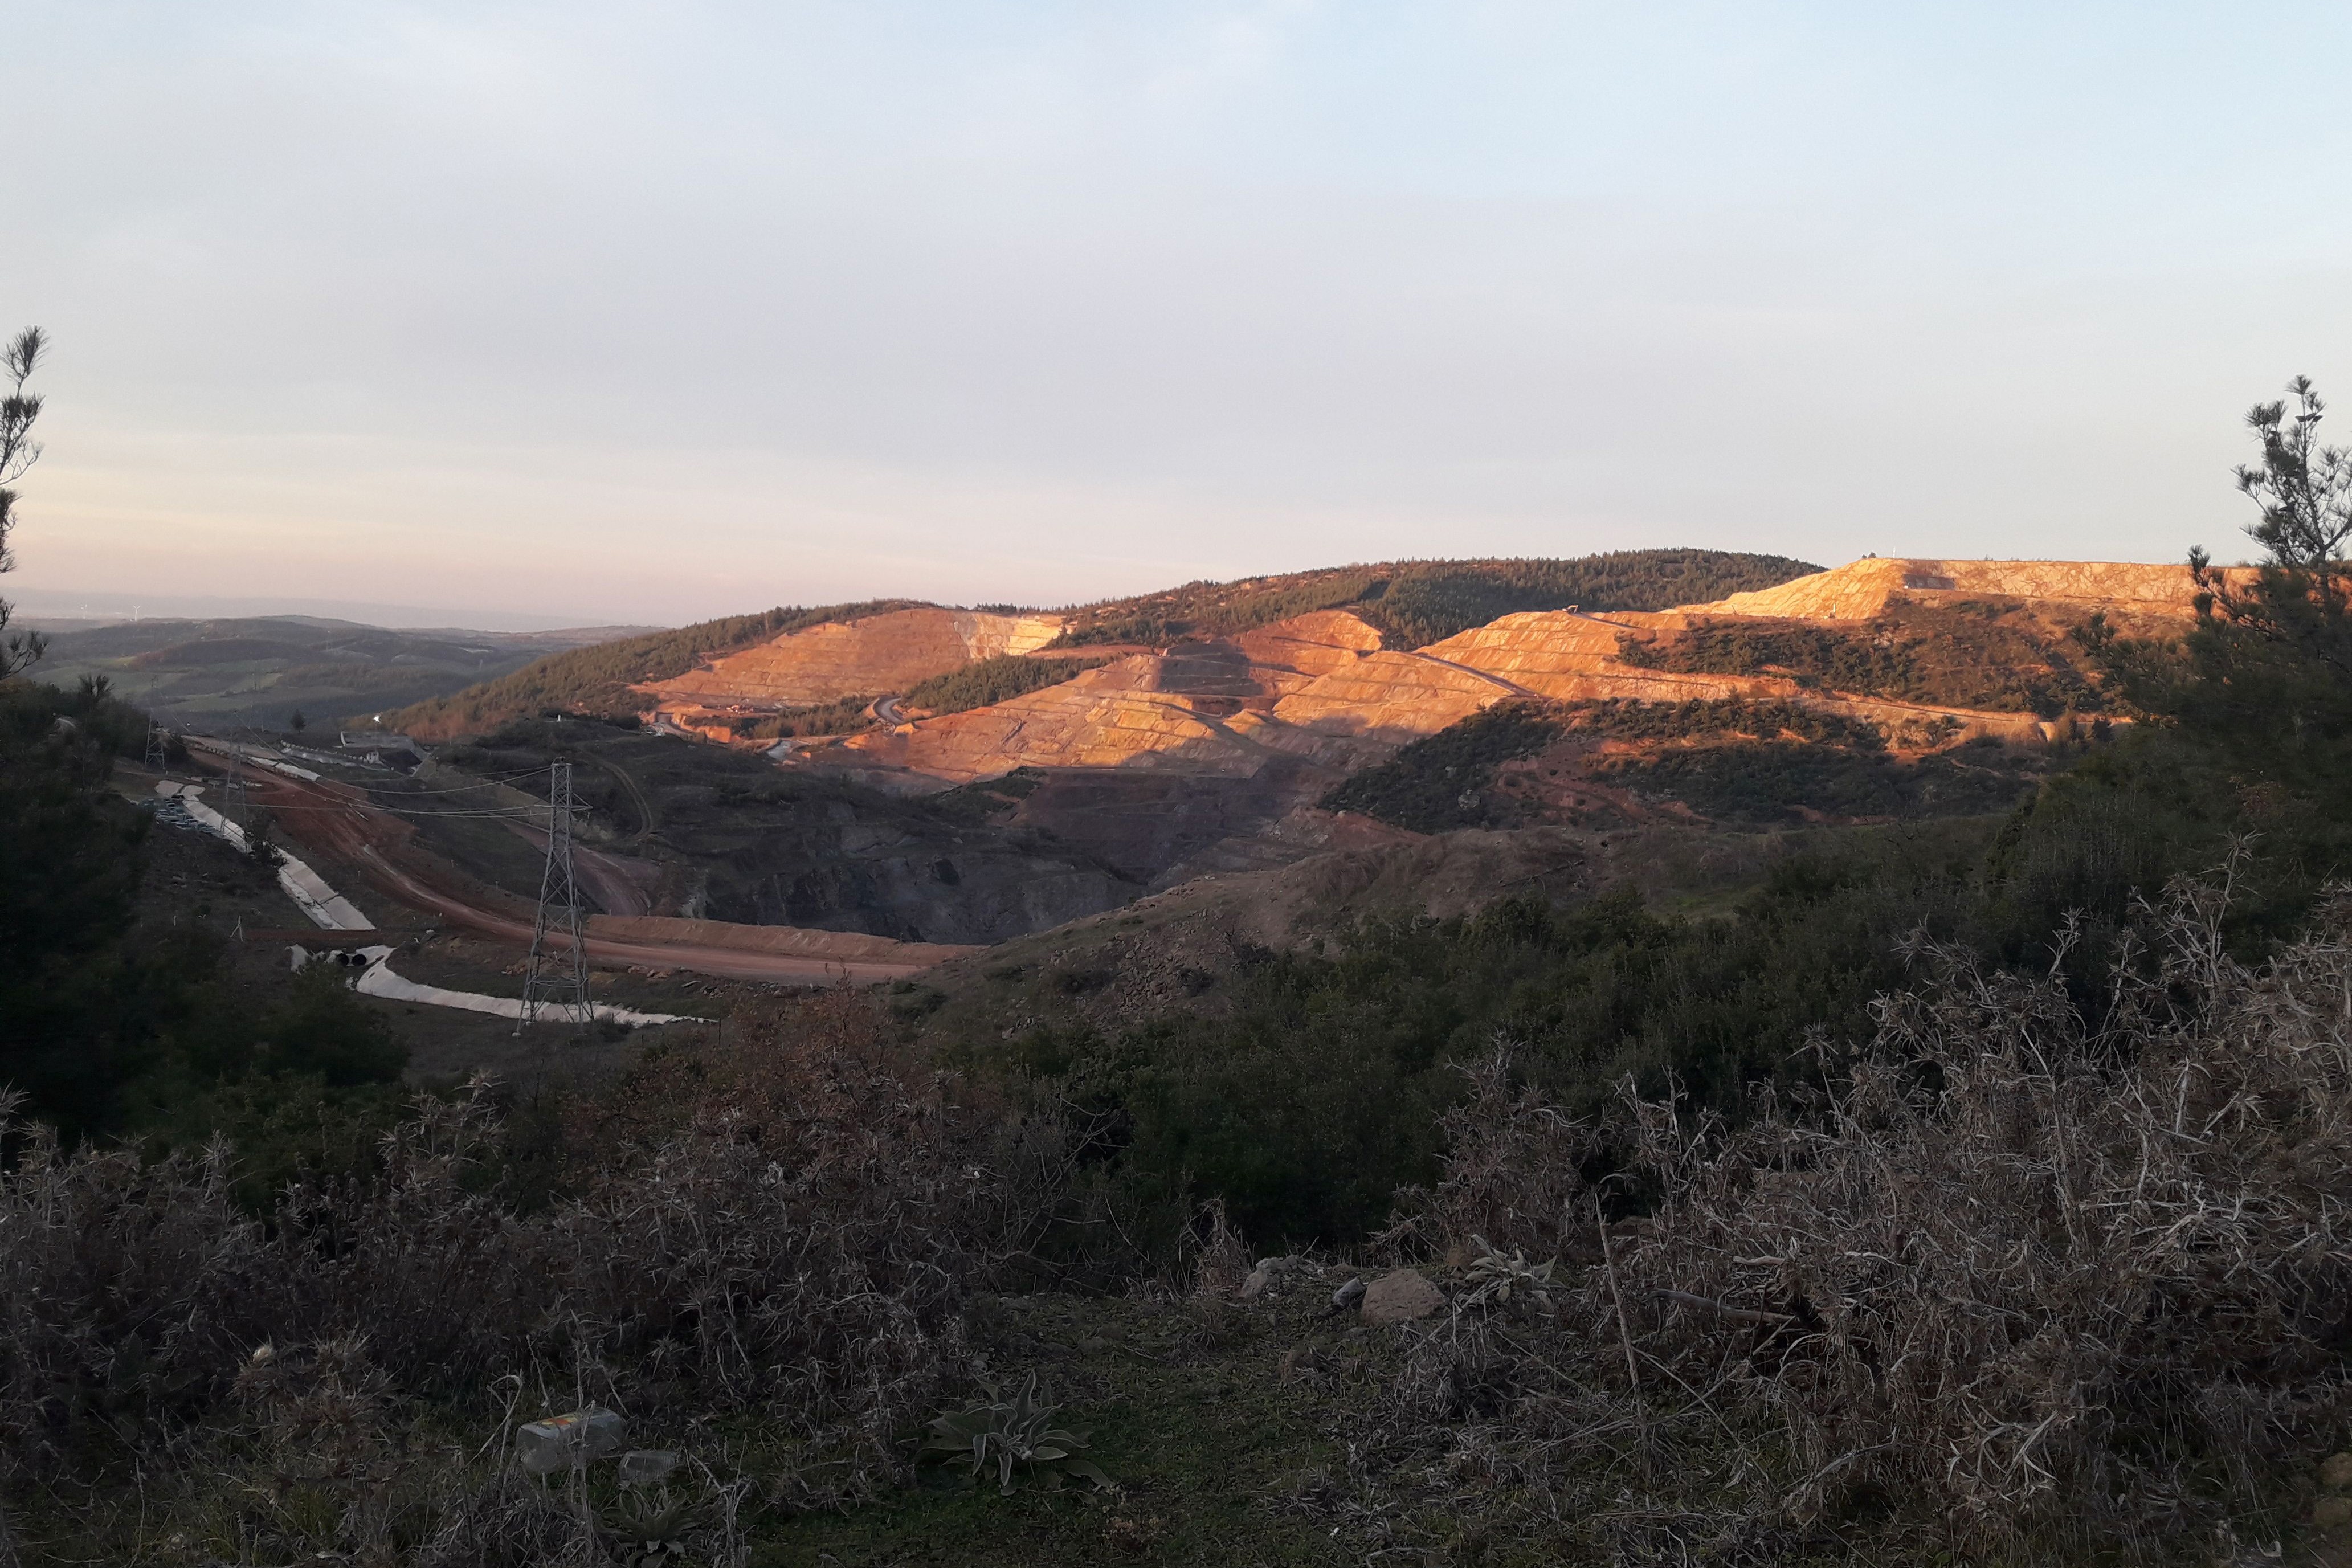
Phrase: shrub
(1440, 782)
(2049, 1277)
(1415, 602)
(994, 681)
(786, 1227)
(1987, 656)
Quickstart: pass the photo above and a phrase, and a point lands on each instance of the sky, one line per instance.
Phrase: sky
(590, 312)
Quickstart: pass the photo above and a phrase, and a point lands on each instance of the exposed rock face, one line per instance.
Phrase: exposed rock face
(1113, 717)
(1385, 699)
(1318, 689)
(1861, 589)
(1290, 653)
(1194, 708)
(873, 656)
(1569, 657)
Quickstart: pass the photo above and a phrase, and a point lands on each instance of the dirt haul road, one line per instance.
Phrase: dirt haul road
(339, 823)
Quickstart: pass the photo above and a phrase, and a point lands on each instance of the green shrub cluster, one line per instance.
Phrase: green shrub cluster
(1428, 602)
(1442, 781)
(1439, 783)
(1759, 784)
(1984, 655)
(1730, 716)
(992, 681)
(105, 1023)
(846, 717)
(1207, 609)
(1313, 1094)
(1415, 602)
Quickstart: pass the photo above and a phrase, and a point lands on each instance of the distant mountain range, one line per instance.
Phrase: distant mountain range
(263, 670)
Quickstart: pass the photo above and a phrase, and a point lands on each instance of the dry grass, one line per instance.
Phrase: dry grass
(2021, 1277)
(786, 1234)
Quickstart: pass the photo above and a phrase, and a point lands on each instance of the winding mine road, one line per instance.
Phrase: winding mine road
(339, 821)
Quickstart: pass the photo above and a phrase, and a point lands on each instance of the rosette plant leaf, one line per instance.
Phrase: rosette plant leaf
(649, 1530)
(1507, 1279)
(1014, 1438)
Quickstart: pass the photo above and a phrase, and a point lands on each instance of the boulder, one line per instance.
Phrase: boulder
(1400, 1297)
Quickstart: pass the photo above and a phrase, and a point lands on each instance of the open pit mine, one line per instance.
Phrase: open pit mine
(1149, 745)
(1321, 689)
(1209, 752)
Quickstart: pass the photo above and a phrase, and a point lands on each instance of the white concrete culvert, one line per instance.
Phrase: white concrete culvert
(330, 911)
(327, 908)
(378, 980)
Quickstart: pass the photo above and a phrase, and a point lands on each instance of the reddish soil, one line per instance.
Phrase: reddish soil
(338, 826)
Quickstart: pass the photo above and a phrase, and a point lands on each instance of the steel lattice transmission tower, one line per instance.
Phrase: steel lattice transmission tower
(159, 746)
(553, 979)
(233, 792)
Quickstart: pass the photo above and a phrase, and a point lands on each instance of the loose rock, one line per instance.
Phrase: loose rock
(1267, 1272)
(2335, 1472)
(1347, 1295)
(1401, 1298)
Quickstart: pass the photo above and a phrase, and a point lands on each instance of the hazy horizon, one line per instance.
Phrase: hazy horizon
(608, 314)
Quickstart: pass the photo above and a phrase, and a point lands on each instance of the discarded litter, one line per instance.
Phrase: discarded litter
(643, 1466)
(575, 1436)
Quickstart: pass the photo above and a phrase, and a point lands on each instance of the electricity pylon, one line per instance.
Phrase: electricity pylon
(233, 792)
(550, 978)
(159, 746)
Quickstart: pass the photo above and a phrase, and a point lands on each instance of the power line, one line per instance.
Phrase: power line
(558, 911)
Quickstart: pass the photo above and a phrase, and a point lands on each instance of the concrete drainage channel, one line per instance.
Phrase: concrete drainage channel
(330, 911)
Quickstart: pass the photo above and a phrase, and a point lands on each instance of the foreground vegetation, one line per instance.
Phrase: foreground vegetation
(782, 1259)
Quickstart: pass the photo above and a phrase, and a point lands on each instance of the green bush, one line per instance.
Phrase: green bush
(1430, 601)
(993, 680)
(1415, 602)
(1440, 782)
(1987, 656)
(1755, 773)
(1314, 1095)
(1756, 784)
(78, 1003)
(846, 717)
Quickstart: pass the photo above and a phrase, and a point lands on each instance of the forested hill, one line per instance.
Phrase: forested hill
(1416, 603)
(596, 681)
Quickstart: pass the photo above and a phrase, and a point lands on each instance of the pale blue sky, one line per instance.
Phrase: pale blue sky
(649, 312)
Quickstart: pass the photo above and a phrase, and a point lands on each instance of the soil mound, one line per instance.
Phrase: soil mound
(1862, 589)
(872, 656)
